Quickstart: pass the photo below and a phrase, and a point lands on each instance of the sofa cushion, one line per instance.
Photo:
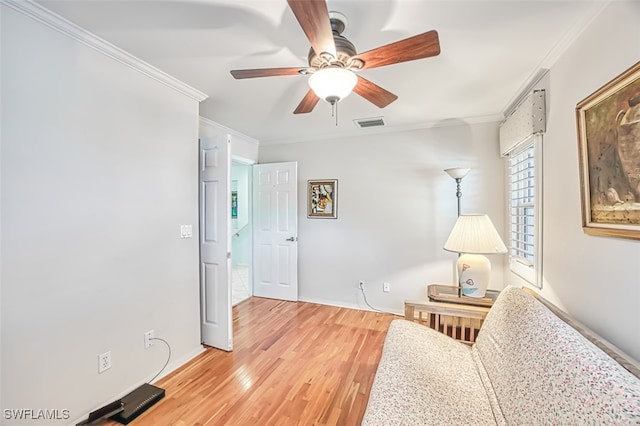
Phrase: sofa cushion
(425, 377)
(539, 370)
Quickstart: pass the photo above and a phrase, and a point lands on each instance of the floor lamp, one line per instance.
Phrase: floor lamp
(458, 173)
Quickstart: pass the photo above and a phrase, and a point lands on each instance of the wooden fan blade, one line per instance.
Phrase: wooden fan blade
(265, 72)
(308, 103)
(374, 93)
(409, 49)
(313, 17)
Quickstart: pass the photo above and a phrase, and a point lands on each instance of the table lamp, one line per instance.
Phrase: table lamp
(473, 236)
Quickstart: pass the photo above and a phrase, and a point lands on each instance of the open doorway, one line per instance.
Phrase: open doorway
(241, 232)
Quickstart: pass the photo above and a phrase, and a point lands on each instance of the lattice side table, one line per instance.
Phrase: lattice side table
(460, 321)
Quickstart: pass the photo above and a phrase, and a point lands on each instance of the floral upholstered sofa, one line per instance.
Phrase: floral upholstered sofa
(530, 365)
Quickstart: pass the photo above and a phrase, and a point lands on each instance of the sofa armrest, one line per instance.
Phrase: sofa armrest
(426, 377)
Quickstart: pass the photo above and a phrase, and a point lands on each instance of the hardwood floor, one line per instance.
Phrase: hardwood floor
(293, 363)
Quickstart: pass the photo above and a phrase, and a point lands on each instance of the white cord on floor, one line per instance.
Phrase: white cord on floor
(372, 308)
(168, 358)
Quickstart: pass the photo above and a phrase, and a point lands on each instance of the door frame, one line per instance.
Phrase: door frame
(249, 163)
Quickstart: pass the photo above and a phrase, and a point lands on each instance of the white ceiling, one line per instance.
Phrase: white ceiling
(490, 51)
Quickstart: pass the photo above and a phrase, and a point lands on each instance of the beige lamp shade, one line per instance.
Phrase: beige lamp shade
(475, 234)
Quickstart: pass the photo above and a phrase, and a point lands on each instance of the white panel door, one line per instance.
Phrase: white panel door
(275, 230)
(215, 242)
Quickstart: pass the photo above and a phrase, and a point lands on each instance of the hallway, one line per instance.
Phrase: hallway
(239, 284)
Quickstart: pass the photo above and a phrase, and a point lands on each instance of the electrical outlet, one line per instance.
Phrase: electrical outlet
(148, 339)
(361, 285)
(104, 362)
(386, 287)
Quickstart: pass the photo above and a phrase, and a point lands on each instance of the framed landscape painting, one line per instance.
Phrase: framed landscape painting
(609, 153)
(322, 196)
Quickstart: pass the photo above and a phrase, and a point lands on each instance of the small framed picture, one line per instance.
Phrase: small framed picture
(322, 198)
(234, 204)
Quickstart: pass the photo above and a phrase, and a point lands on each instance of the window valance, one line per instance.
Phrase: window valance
(528, 118)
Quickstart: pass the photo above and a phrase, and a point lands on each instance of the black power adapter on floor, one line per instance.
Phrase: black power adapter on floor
(137, 402)
(128, 407)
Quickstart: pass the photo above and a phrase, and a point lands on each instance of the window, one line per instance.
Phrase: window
(524, 206)
(521, 142)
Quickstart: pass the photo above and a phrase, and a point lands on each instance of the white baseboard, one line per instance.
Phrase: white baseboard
(171, 367)
(351, 306)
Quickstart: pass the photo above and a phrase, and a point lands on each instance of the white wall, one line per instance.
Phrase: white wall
(396, 208)
(99, 170)
(595, 279)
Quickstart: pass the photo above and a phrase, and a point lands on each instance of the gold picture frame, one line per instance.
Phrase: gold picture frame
(608, 123)
(322, 199)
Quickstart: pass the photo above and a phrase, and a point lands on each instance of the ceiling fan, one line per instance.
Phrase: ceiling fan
(334, 61)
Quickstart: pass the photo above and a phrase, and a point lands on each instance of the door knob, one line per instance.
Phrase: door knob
(291, 239)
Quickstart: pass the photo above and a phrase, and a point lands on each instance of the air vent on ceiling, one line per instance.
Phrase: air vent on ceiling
(364, 123)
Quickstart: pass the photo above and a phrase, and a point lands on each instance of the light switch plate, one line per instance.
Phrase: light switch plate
(186, 231)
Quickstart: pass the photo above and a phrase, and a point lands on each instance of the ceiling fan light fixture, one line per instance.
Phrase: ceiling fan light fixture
(332, 84)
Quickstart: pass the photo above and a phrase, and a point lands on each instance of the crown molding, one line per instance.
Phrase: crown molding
(68, 28)
(592, 10)
(208, 122)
